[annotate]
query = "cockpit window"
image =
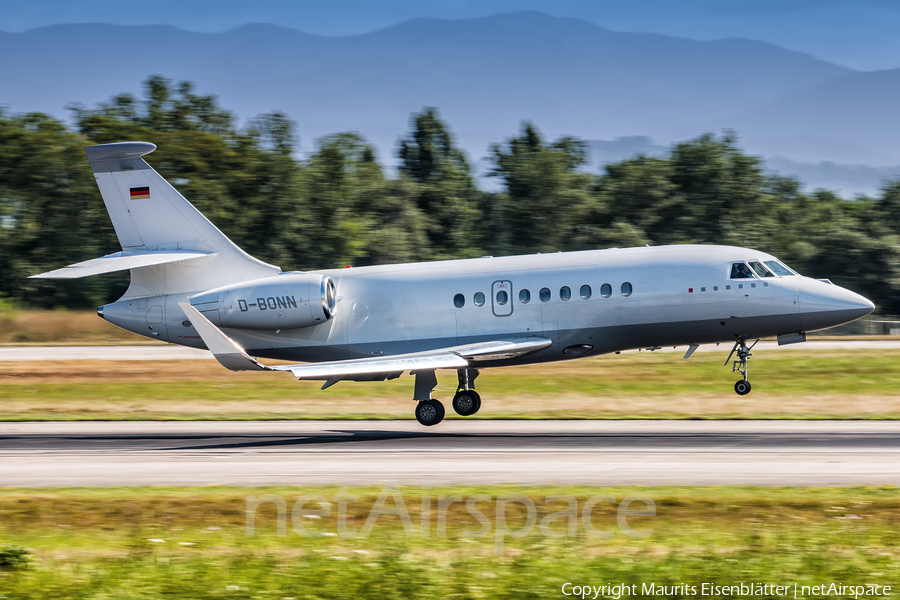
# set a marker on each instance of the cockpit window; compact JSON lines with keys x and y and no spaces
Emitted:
{"x":740,"y":270}
{"x":761,"y":270}
{"x":779,"y":268}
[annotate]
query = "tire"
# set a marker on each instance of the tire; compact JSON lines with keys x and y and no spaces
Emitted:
{"x":742,"y":388}
{"x":466,"y":403}
{"x":477,"y":404}
{"x":429,"y":412}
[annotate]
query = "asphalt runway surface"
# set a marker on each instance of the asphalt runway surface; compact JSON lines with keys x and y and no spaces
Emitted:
{"x":175,"y":352}
{"x":767,"y":453}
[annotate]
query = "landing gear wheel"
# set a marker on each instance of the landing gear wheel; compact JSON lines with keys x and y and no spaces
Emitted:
{"x":740,"y":365}
{"x":429,"y":412}
{"x":466,"y":402}
{"x":742,"y":387}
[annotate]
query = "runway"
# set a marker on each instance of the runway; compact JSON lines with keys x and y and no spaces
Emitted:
{"x":768,"y":453}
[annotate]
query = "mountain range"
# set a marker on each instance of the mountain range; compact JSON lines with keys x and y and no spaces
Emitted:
{"x":486,"y":76}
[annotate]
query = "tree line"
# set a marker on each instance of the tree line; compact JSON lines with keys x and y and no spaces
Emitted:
{"x":339,"y":206}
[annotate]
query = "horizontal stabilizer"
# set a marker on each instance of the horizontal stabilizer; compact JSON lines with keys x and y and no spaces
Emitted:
{"x":122,"y":261}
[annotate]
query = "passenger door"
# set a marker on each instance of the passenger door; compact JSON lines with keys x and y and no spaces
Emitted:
{"x":501,"y":298}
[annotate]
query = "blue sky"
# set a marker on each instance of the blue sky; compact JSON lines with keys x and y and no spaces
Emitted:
{"x":861,"y":34}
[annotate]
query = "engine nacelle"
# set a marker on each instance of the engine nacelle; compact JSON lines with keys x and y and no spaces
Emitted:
{"x":285,"y":301}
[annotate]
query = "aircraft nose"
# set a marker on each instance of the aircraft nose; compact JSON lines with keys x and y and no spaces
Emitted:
{"x":824,"y":305}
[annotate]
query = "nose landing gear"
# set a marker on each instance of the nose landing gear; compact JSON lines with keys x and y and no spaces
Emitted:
{"x":743,"y":354}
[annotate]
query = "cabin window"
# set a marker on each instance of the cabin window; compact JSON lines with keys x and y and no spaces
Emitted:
{"x":586,"y":292}
{"x":626,"y":289}
{"x":524,"y":296}
{"x":502,"y":297}
{"x":740,"y":270}
{"x":479,"y":299}
{"x":459,"y":301}
{"x":545,"y":294}
{"x":761,"y":270}
{"x":565,"y":293}
{"x":606,"y":290}
{"x":779,"y":268}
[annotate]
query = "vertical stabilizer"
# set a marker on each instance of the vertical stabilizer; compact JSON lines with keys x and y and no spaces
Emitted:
{"x":149,"y":214}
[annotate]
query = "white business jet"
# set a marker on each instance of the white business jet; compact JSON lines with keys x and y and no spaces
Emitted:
{"x":191,"y":285}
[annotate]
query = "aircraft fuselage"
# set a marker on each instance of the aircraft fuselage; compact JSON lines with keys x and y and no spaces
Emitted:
{"x":586,"y":303}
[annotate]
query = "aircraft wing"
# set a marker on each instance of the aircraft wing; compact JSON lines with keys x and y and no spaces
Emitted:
{"x":232,"y":356}
{"x":454,"y":357}
{"x":121,"y":261}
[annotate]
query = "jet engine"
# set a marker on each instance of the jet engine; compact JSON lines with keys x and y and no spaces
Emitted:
{"x":285,"y":301}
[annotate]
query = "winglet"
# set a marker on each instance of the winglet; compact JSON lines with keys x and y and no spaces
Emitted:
{"x":225,"y":349}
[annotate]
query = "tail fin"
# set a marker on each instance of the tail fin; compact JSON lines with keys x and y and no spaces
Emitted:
{"x":150,"y":215}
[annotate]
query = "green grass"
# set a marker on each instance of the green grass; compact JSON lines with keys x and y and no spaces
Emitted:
{"x":787,"y":384}
{"x":95,"y":543}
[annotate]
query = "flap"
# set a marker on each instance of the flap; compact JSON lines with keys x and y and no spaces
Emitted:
{"x":454,"y":357}
{"x":375,"y":366}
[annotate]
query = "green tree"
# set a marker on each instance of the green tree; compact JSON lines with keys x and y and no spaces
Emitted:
{"x":546,"y":193}
{"x":719,"y":195}
{"x":446,"y":191}
{"x":50,"y":214}
{"x":632,"y":197}
{"x":353,"y":214}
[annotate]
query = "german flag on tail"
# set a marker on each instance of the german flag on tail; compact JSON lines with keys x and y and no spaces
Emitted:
{"x":140,"y":193}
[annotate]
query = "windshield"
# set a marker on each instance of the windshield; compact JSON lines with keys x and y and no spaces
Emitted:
{"x":761,"y":270}
{"x":779,"y":268}
{"x":740,"y":270}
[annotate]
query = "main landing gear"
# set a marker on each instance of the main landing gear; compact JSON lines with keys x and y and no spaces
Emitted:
{"x":466,"y":402}
{"x":743,"y":353}
{"x":429,"y":411}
